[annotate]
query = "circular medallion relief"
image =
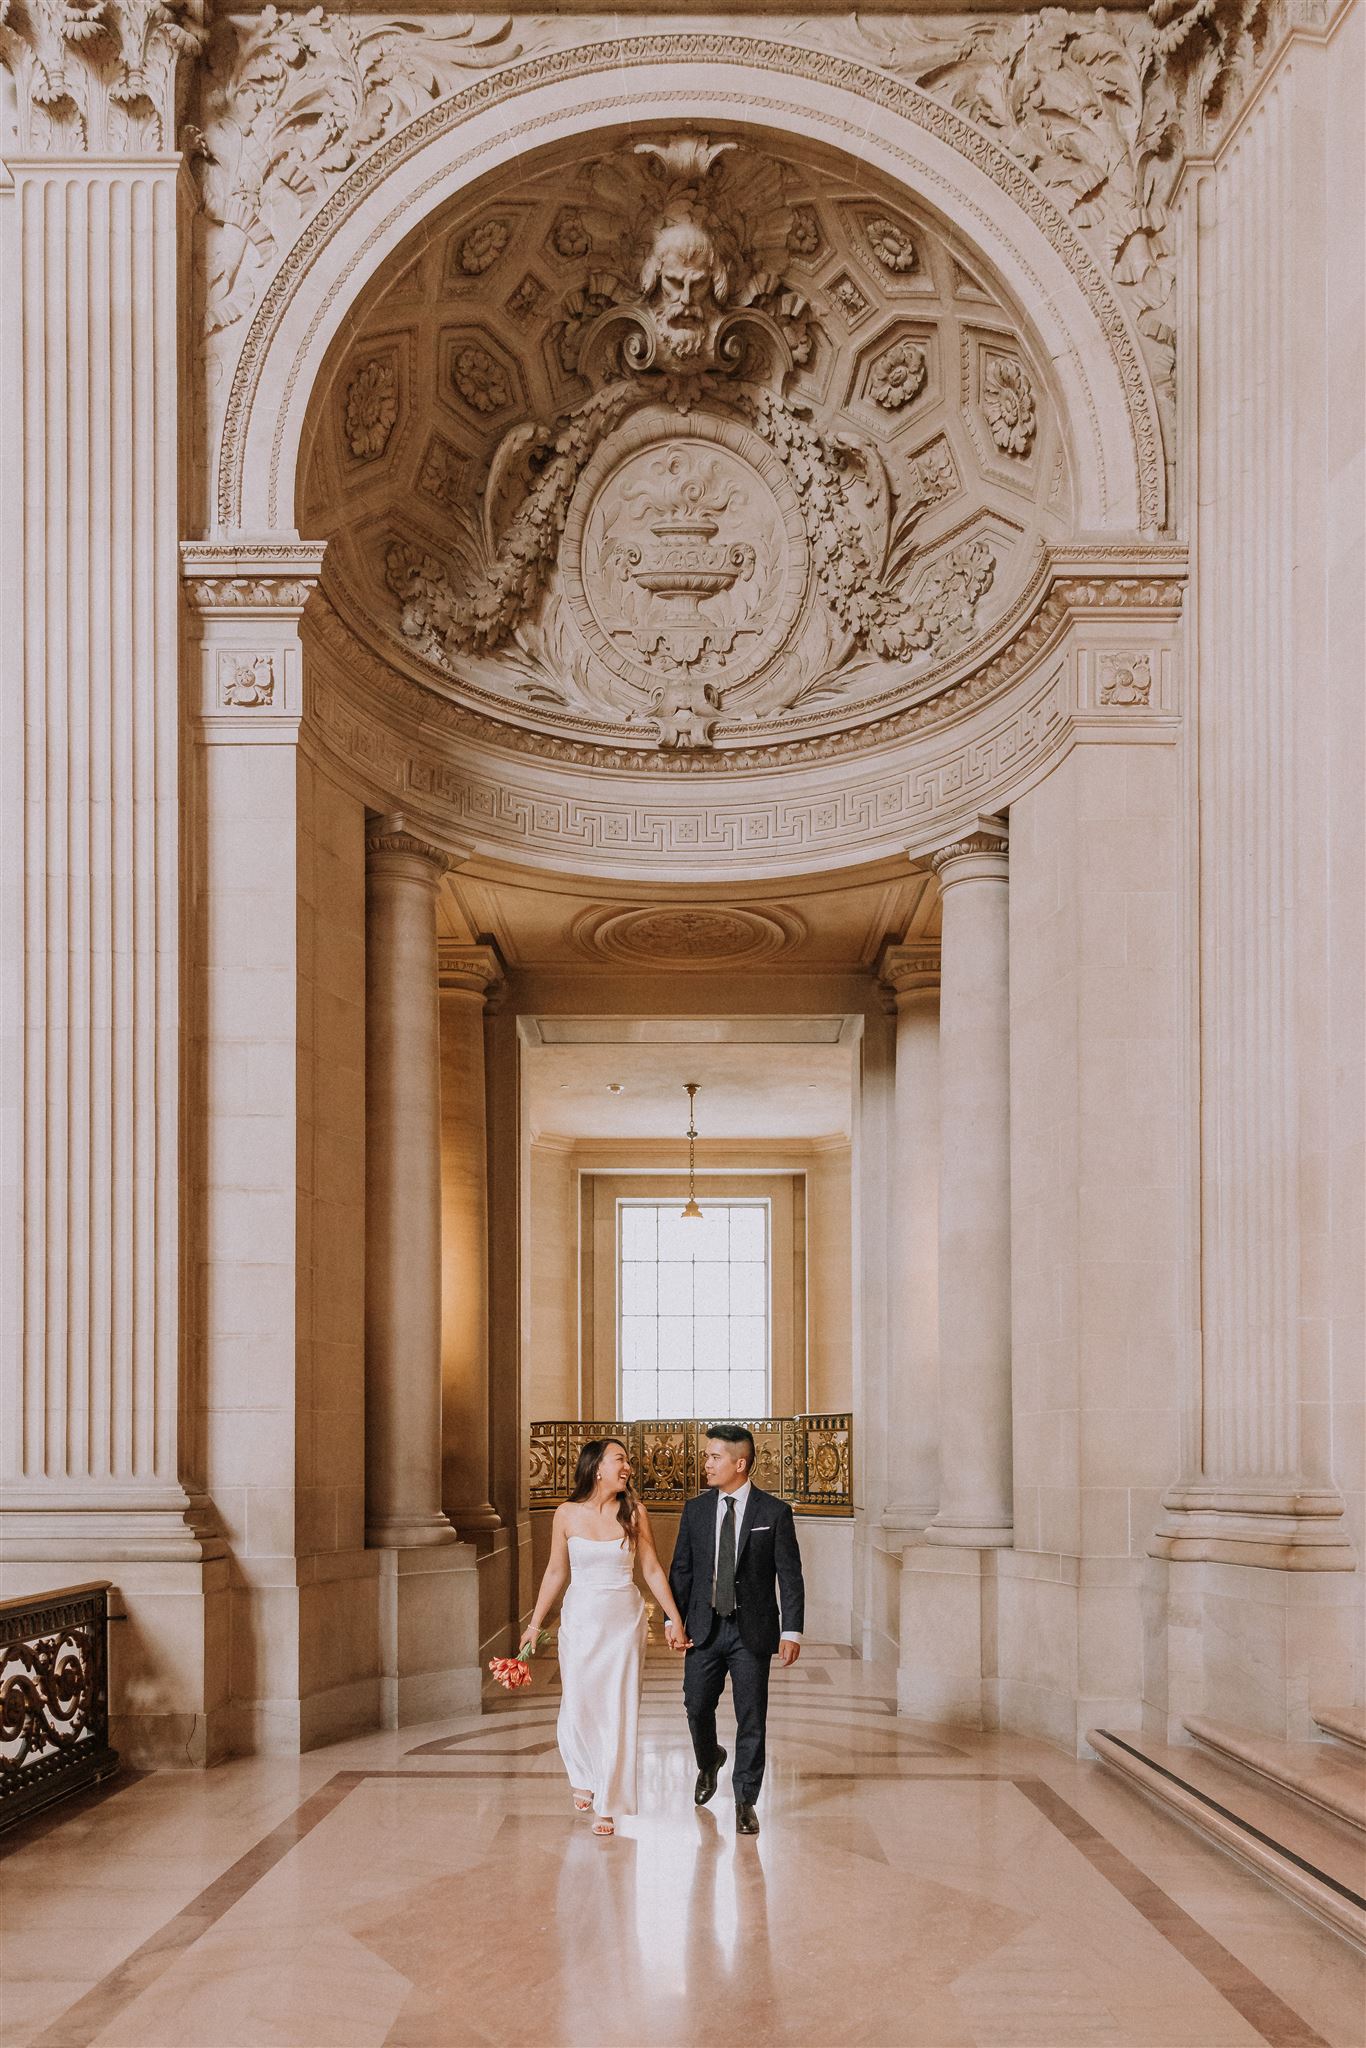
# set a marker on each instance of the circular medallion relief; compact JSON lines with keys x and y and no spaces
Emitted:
{"x":686,"y":935}
{"x":685,"y":557}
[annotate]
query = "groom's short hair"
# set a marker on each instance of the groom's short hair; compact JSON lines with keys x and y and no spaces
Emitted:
{"x":733,"y":1433}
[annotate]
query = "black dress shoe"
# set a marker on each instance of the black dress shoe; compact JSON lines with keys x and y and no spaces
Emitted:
{"x":706,"y":1780}
{"x":746,"y":1819}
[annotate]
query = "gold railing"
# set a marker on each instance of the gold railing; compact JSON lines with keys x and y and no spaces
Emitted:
{"x":54,"y":1697}
{"x":807,"y":1460}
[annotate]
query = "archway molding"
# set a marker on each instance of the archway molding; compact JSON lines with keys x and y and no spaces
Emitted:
{"x":983,"y":193}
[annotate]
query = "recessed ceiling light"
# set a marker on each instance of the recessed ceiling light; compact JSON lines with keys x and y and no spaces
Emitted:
{"x":614,"y":1087}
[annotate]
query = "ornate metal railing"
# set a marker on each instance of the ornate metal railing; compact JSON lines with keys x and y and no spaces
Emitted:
{"x":54,"y":1697}
{"x":804,"y":1459}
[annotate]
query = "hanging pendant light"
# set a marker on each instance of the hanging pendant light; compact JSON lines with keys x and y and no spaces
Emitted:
{"x":692,"y":1209}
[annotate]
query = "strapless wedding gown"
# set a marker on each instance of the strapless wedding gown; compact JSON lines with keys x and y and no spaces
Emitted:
{"x":602,"y":1658}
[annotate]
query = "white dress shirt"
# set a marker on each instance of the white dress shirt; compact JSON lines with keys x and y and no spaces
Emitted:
{"x":741,"y":1498}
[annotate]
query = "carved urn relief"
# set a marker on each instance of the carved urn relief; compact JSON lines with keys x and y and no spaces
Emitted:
{"x":671,"y":488}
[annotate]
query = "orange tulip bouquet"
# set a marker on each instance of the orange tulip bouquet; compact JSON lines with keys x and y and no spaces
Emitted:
{"x":514,"y":1672}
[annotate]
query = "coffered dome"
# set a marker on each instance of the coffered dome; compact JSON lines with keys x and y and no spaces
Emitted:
{"x":685,"y":445}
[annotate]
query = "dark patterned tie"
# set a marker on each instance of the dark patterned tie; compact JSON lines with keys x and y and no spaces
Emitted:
{"x":723,"y":1599}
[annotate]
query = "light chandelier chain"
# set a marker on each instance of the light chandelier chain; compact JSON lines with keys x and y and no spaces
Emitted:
{"x":692,"y":1211}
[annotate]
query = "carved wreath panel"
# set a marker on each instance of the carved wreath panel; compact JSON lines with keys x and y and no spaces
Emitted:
{"x":745,"y":449}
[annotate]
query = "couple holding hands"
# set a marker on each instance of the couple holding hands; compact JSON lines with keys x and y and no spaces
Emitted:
{"x":735,"y":1564}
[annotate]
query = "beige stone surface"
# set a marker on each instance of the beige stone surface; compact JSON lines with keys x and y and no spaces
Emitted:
{"x":661,"y":556}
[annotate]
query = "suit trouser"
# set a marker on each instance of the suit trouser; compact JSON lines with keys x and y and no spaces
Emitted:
{"x":704,"y":1680}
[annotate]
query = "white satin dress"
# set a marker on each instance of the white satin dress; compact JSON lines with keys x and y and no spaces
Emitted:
{"x":602,"y":1661}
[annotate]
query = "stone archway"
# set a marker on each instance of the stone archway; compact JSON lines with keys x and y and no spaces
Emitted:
{"x":735,"y":535}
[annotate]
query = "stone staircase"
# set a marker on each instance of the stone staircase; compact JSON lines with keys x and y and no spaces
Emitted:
{"x":1294,"y":1813}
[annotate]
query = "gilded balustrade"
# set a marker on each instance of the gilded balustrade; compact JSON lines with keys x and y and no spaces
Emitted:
{"x":806,"y":1460}
{"x":54,"y":1697}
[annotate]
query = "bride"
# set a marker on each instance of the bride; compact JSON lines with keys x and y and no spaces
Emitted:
{"x":598,"y":1536}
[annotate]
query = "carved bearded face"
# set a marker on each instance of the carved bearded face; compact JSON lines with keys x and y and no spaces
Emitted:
{"x":682,"y":271}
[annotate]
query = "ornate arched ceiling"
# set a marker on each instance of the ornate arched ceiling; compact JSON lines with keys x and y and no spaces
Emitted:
{"x":685,"y":443}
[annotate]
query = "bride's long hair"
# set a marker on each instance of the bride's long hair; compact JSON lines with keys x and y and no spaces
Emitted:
{"x":586,"y":1478}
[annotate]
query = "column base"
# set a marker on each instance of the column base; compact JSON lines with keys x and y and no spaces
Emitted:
{"x":970,"y":1535}
{"x":95,"y":1527}
{"x":168,"y":1650}
{"x":1280,"y":1526}
{"x":409,"y":1532}
{"x":906,"y":1519}
{"x":477,"y":1521}
{"x":429,"y":1633}
{"x":1261,"y":1649}
{"x":947,"y":1669}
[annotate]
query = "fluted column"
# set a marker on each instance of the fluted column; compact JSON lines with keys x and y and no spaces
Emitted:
{"x":1258,"y":1488}
{"x":403,"y":1192}
{"x":974,"y":1193}
{"x":97,"y":1430}
{"x":912,"y":975}
{"x":467,"y":975}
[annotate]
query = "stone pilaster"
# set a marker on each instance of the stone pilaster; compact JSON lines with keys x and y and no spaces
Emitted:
{"x":974,"y":1193}
{"x":277,"y":914}
{"x":102,"y":1474}
{"x":911,"y":973}
{"x":467,"y":974}
{"x":1253,"y":1491}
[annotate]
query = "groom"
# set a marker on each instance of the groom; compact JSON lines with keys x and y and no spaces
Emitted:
{"x":736,"y":1556}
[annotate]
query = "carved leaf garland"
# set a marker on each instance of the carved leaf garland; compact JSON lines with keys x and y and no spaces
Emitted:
{"x":292,"y":102}
{"x":1084,"y":102}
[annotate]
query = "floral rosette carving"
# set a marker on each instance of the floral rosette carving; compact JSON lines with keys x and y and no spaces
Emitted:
{"x":897,"y":377}
{"x":1008,"y":402}
{"x":371,"y":409}
{"x":891,"y":244}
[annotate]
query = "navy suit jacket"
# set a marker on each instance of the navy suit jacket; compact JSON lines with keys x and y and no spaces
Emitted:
{"x":768,"y":1568}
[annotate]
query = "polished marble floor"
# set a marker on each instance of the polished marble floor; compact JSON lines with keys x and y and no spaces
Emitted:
{"x":913,"y":1887}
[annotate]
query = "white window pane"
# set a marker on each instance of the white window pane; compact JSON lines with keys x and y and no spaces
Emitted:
{"x":748,"y":1290}
{"x":675,"y":1393}
{"x":675,"y":1343}
{"x":748,"y":1344}
{"x":711,"y":1394}
{"x":749,"y":1232}
{"x":749,"y":1401}
{"x":639,"y":1396}
{"x":639,"y":1288}
{"x":711,"y":1288}
{"x":711,"y":1343}
{"x":694,"y":1305}
{"x":675,"y":1289}
{"x":711,"y":1237}
{"x":639,"y":1338}
{"x":678,"y":1237}
{"x":638,"y":1238}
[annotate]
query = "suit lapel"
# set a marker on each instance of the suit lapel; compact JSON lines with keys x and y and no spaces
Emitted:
{"x":751,"y":1516}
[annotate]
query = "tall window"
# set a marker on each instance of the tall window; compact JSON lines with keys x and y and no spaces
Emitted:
{"x":692,"y":1310}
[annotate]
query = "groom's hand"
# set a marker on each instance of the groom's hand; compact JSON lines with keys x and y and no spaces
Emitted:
{"x":676,"y":1636}
{"x":789,"y":1652}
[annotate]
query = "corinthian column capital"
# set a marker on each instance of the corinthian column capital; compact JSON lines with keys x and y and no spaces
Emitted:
{"x":98,"y":77}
